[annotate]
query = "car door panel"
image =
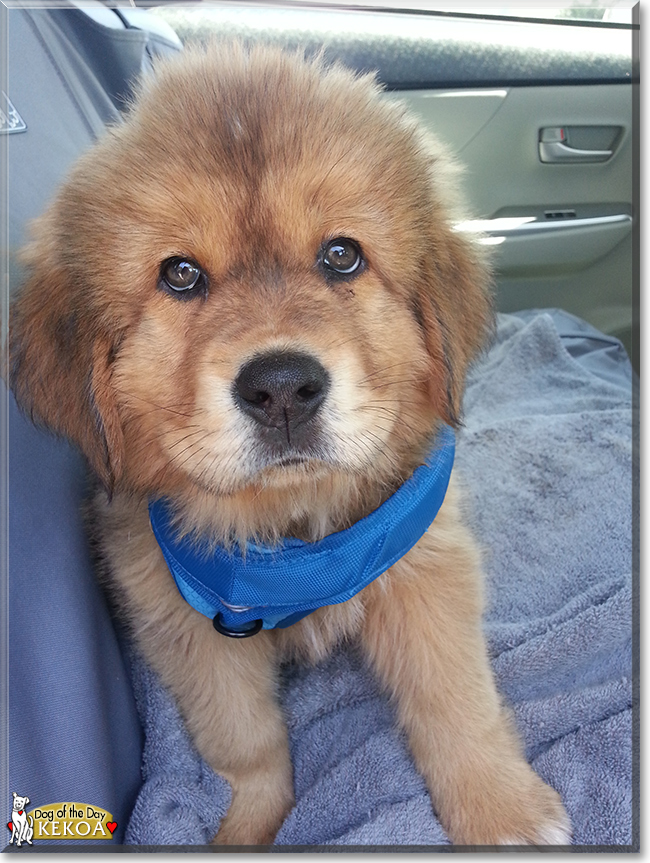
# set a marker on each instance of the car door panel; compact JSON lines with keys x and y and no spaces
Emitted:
{"x":578,"y":254}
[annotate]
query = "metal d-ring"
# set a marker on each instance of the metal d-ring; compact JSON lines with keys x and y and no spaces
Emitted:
{"x":252,"y":628}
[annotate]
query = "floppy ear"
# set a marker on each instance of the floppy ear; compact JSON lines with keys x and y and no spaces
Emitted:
{"x":60,"y":364}
{"x":453,"y":306}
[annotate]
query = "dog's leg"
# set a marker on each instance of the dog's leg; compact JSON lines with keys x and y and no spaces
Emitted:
{"x":422,"y":634}
{"x":226,"y":691}
{"x":250,"y":747}
{"x":226,"y":688}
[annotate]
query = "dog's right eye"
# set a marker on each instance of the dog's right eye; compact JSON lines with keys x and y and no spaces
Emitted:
{"x":182,"y":277}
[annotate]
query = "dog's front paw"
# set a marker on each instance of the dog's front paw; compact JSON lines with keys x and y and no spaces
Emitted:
{"x":514,"y":808}
{"x":540,"y":819}
{"x":239,"y":833}
{"x":260,"y":803}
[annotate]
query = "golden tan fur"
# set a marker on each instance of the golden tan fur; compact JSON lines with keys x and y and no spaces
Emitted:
{"x":247,"y":163}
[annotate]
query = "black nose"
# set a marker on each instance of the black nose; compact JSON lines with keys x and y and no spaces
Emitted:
{"x":282,"y":389}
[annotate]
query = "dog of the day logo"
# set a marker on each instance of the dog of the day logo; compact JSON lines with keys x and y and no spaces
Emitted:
{"x":64,"y":821}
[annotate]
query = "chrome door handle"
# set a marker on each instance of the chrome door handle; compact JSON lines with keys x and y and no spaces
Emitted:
{"x":553,"y":148}
{"x":556,"y":151}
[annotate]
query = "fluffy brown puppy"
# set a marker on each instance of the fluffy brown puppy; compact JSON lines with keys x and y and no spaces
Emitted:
{"x":257,"y":205}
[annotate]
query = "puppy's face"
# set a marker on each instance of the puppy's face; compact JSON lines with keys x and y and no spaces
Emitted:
{"x":271,"y":340}
{"x":253,"y":281}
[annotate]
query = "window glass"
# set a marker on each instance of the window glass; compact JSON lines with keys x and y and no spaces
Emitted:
{"x":612,"y":12}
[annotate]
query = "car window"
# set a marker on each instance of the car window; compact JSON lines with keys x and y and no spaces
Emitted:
{"x":587,"y":10}
{"x":410,"y":49}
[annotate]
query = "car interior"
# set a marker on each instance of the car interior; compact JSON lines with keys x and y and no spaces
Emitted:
{"x":542,"y":115}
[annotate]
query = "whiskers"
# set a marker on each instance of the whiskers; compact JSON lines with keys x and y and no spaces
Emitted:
{"x":176,"y":408}
{"x":361,"y":444}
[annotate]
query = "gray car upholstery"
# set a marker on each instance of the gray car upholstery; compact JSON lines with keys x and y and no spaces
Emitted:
{"x":74,"y":733}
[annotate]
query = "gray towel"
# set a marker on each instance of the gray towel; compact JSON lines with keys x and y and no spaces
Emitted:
{"x":182,"y":800}
{"x":545,"y":459}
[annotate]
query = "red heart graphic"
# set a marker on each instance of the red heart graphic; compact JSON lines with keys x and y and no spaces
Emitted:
{"x":111,"y":825}
{"x":10,"y":825}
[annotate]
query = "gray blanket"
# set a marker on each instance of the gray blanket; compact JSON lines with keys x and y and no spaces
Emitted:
{"x":545,"y":456}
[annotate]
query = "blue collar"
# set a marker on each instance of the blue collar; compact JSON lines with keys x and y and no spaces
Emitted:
{"x":277,"y":585}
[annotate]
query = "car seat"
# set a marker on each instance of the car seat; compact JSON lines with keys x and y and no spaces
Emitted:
{"x":74,"y":733}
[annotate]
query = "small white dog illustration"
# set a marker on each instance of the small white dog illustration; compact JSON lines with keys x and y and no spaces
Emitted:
{"x":22,"y":824}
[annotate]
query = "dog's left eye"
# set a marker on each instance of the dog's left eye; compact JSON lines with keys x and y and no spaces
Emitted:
{"x":342,"y":258}
{"x":182,"y":277}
